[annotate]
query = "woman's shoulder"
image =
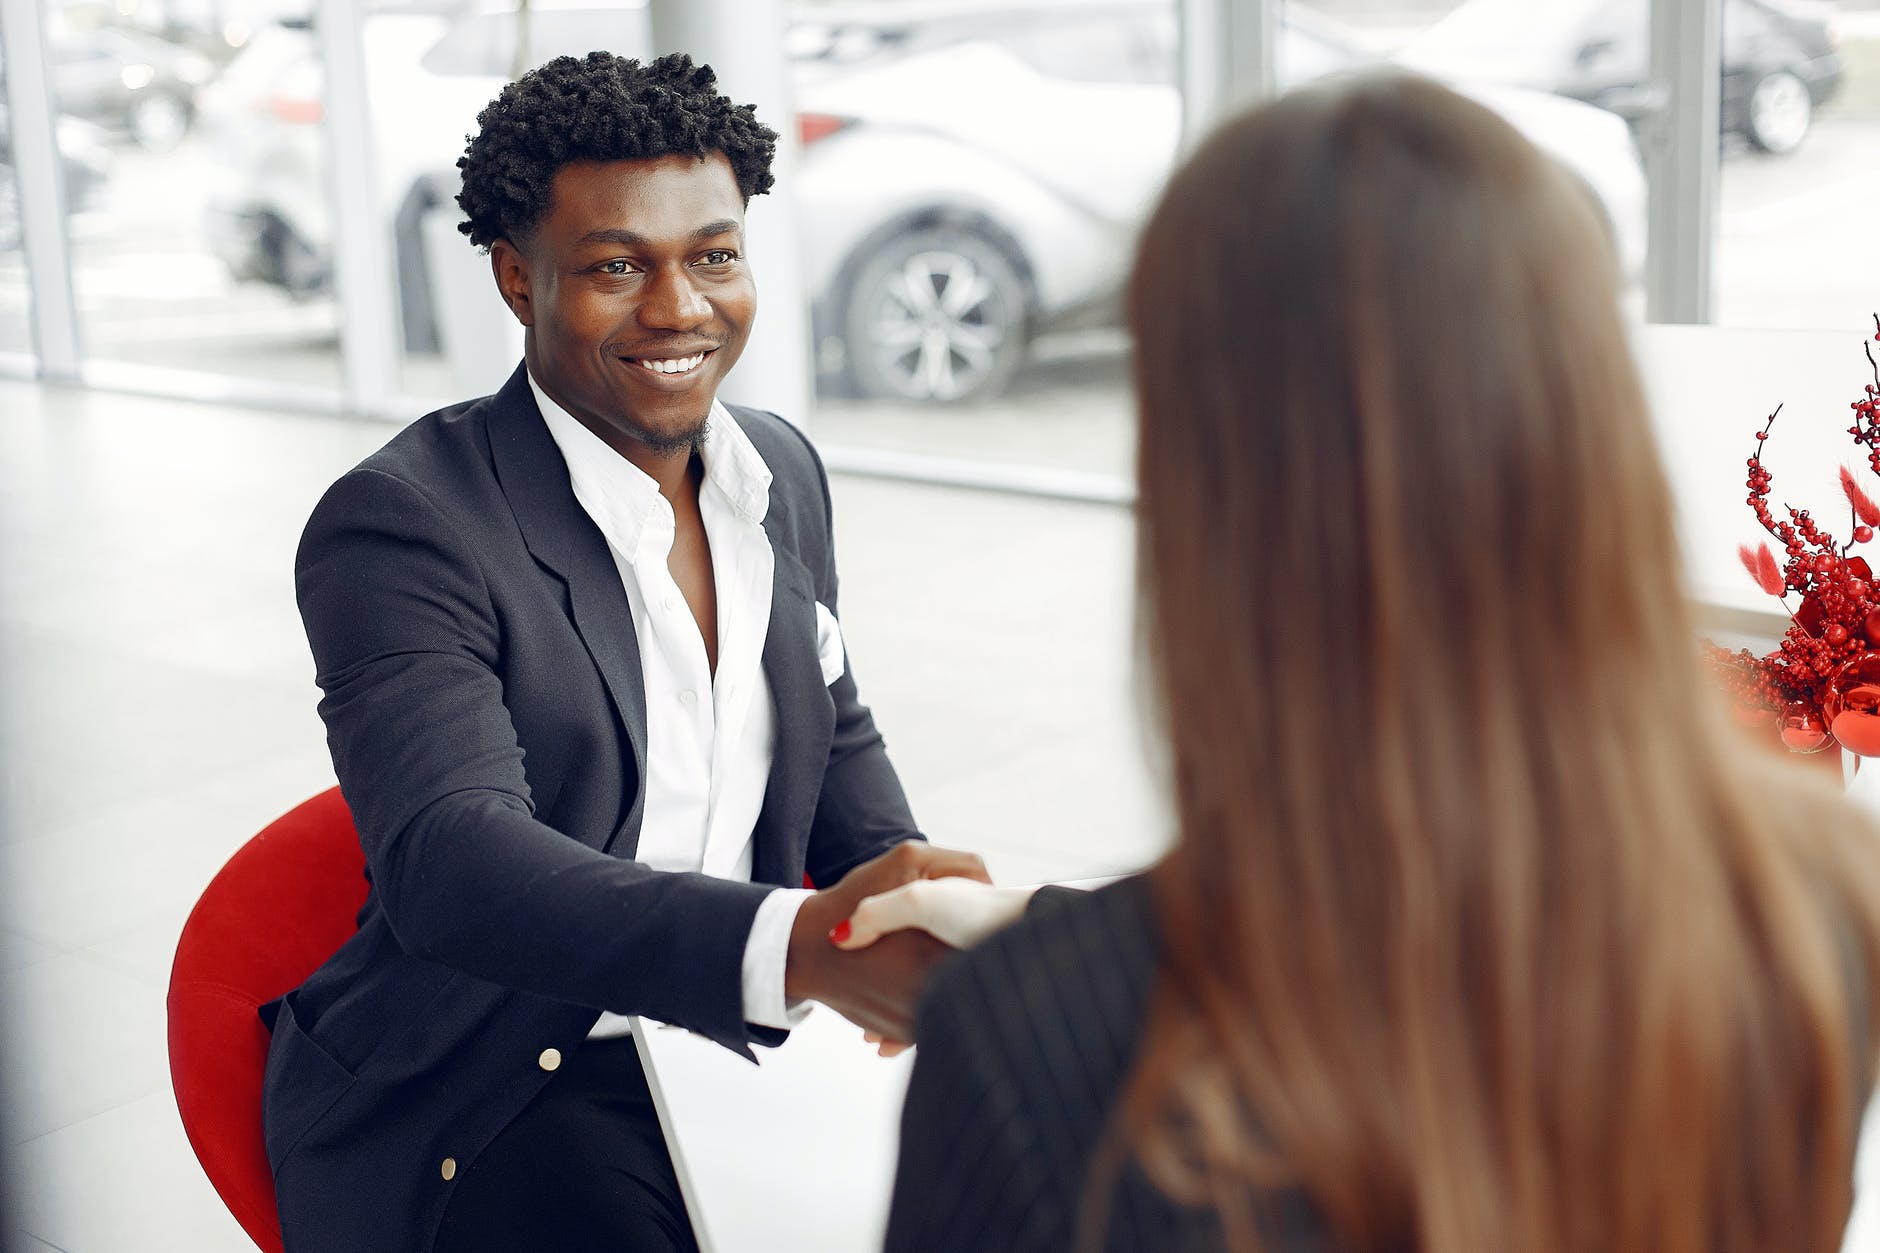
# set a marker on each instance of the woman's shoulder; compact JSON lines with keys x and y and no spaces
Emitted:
{"x":1068,"y":982}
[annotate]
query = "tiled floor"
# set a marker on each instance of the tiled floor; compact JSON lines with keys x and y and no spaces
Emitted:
{"x":157,"y":707}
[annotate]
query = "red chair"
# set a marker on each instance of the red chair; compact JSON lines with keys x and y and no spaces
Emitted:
{"x":281,"y":906}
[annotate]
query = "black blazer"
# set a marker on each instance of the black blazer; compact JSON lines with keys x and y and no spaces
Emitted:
{"x":1026,"y":1043}
{"x":486,"y":714}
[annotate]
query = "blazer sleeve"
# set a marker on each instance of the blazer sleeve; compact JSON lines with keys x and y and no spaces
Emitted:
{"x":863,"y":809}
{"x":971,"y":1171}
{"x":407,"y":647}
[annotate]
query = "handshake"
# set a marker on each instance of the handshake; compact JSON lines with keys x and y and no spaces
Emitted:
{"x":865,"y":946}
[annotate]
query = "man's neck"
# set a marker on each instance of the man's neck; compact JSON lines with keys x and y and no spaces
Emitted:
{"x":677,"y":472}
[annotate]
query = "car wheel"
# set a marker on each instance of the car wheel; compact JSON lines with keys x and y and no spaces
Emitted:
{"x":1780,"y":110}
{"x":158,"y":122}
{"x":935,"y":315}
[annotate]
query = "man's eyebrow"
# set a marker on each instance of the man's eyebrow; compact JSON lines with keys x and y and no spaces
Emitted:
{"x":633,"y":239}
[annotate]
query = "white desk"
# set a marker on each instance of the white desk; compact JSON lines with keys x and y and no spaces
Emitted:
{"x":796,"y":1152}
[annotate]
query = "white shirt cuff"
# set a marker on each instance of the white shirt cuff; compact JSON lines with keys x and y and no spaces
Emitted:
{"x":765,"y":954}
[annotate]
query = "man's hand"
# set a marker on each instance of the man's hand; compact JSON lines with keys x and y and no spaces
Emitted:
{"x":875,"y":988}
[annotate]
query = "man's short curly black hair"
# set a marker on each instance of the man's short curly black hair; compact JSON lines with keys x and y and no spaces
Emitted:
{"x":599,"y":108}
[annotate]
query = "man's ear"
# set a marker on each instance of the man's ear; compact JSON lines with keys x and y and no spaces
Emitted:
{"x":511,"y":269}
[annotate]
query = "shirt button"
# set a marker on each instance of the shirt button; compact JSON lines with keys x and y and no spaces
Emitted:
{"x":671,"y":601}
{"x":550,"y":1059}
{"x":448,"y":1169}
{"x":688,"y":697}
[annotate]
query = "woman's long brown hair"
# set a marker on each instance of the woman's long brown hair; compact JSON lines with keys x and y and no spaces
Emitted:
{"x":1483,"y":932}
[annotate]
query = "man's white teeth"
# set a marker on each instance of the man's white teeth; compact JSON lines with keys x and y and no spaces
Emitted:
{"x":676,"y":365}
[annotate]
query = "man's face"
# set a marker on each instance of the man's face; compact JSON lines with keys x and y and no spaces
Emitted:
{"x":637,"y":296}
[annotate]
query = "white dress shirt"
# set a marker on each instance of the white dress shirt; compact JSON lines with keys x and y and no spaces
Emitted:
{"x":709,"y":737}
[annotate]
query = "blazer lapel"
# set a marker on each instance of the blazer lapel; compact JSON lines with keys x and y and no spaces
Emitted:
{"x":805,"y":715}
{"x":562,"y":538}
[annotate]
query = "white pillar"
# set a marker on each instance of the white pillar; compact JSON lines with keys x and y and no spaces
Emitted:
{"x":1680,"y":143}
{"x":742,"y":40}
{"x":41,"y":189}
{"x":1228,"y":54}
{"x":369,"y":334}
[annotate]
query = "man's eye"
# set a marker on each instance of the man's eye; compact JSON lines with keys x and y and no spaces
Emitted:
{"x":614,"y":267}
{"x":720,"y":256}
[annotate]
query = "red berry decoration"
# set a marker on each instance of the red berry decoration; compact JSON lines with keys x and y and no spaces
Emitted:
{"x":1822,"y":684}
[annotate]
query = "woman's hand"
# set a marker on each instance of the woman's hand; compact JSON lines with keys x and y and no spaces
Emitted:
{"x":959,"y":912}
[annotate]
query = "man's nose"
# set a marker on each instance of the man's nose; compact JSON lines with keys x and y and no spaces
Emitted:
{"x":673,"y":302}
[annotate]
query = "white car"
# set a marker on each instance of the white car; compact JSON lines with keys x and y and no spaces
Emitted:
{"x":972,"y":176}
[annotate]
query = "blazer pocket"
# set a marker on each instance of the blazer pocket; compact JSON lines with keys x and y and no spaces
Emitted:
{"x":829,"y":650}
{"x":310,"y":1080}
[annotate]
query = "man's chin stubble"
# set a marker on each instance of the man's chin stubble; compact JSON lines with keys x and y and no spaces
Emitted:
{"x":683,"y":441}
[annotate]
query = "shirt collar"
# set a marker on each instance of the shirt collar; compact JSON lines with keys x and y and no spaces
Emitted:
{"x":604,"y":479}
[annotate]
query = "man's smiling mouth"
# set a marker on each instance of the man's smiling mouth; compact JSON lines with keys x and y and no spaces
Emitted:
{"x":671,"y":365}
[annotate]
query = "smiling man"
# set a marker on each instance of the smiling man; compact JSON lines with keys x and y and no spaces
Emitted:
{"x":587,"y":698}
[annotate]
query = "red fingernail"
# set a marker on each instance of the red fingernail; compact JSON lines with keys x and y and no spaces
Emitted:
{"x":839,"y":932}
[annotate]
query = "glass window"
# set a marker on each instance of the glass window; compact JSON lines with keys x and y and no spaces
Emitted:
{"x":1568,"y":74}
{"x":478,"y":43}
{"x":1311,"y":46}
{"x":818,"y":39}
{"x":1104,"y":48}
{"x":970,"y":193}
{"x":1552,"y":46}
{"x":16,"y":333}
{"x":1796,"y":244}
{"x":1800,"y":105}
{"x":193,"y":130}
{"x":485,"y":44}
{"x":969,"y":190}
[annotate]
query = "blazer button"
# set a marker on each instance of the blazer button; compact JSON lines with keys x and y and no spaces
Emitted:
{"x":550,"y":1059}
{"x":448,"y":1169}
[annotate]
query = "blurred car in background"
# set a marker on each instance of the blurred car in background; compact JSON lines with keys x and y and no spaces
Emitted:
{"x":128,"y":81}
{"x":1780,"y":57}
{"x":268,"y":216}
{"x":972,"y":175}
{"x":84,"y":160}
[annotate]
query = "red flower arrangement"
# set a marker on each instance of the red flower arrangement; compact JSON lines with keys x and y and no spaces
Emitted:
{"x":1822,"y":686}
